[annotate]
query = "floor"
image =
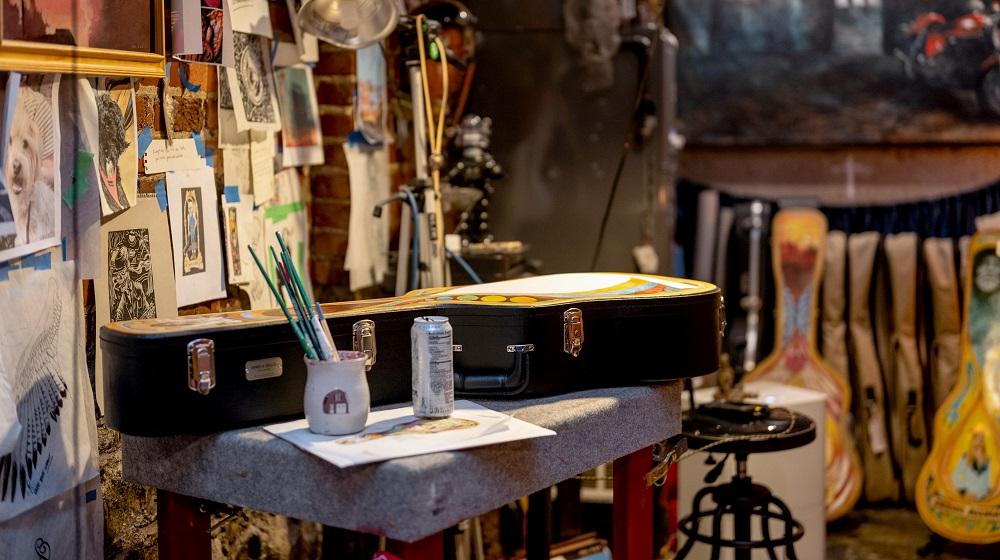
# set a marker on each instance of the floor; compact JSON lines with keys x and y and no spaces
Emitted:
{"x":892,"y":534}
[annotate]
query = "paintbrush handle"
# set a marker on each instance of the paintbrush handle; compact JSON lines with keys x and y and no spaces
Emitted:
{"x":281,"y":302}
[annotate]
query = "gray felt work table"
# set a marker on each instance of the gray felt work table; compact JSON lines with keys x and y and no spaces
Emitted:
{"x":410,"y":501}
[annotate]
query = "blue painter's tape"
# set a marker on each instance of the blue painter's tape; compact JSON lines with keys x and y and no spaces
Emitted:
{"x":64,"y":249}
{"x":145,"y":139}
{"x":232,"y":193}
{"x":210,"y":160}
{"x":161,"y":194}
{"x":40,"y":261}
{"x":193,"y":88}
{"x":91,"y":495}
{"x":5,"y":269}
{"x":209,"y":151}
{"x":199,"y":142}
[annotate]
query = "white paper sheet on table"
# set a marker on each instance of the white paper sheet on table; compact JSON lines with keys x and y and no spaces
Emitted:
{"x":391,"y":434}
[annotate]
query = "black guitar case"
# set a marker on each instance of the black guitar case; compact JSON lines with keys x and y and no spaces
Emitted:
{"x":526,"y":337}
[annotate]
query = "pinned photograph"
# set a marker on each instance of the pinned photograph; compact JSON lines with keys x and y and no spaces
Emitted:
{"x":251,"y":85}
{"x":301,"y":136}
{"x":216,"y":36}
{"x":31,"y":164}
{"x":117,"y":164}
{"x":194,"y":231}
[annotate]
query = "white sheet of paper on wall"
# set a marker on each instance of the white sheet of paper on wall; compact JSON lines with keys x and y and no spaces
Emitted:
{"x":236,"y":169}
{"x":185,"y":26}
{"x":251,"y":85}
{"x":262,"y":165}
{"x":81,"y":207}
{"x":192,"y":204}
{"x":179,"y":155}
{"x":251,"y":16}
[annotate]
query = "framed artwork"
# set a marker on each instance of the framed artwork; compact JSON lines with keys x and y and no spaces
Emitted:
{"x":94,"y":37}
{"x":837,"y":72}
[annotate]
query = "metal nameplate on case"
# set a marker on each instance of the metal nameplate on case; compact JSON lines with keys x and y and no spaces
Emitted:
{"x":573,"y":331}
{"x":263,"y":369}
{"x":201,"y":365}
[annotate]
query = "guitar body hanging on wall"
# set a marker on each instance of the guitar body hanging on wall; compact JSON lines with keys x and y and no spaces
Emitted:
{"x":797,"y":247}
{"x":958,"y":489}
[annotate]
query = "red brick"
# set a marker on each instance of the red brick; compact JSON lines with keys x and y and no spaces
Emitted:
{"x":147,"y":183}
{"x":331,"y":184}
{"x":147,"y":112}
{"x":329,"y":243}
{"x":331,"y":213}
{"x":327,"y":271}
{"x":338,"y":92}
{"x":334,"y":61}
{"x":189,"y":113}
{"x":336,"y":126}
{"x":334,"y":155}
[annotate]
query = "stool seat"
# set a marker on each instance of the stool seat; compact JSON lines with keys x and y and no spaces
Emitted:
{"x":765,"y":429}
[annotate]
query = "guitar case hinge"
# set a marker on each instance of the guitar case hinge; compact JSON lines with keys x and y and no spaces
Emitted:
{"x":573,"y":331}
{"x":364,"y":341}
{"x":201,"y":365}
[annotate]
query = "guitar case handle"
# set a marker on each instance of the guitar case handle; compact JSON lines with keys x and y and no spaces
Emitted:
{"x":498,"y":384}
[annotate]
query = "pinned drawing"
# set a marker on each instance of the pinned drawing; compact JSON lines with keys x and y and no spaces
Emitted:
{"x":41,"y":357}
{"x":130,"y":273}
{"x":233,"y":234}
{"x":194,"y":232}
{"x":301,"y":136}
{"x":117,"y":163}
{"x":251,"y":84}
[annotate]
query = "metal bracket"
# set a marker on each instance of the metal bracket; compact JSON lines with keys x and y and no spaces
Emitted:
{"x":573,"y":331}
{"x":520,"y":348}
{"x":364,"y":341}
{"x":201,"y":365}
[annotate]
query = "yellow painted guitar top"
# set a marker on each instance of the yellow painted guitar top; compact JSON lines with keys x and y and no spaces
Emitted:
{"x":958,"y":490}
{"x":797,"y":247}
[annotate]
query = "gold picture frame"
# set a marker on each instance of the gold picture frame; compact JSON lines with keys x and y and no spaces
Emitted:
{"x":30,"y":56}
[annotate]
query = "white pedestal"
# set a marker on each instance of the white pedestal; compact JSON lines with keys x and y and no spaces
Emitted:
{"x":795,"y":476}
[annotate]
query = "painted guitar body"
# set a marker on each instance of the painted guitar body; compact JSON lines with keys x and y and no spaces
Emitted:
{"x":958,"y":490}
{"x":797,"y":246}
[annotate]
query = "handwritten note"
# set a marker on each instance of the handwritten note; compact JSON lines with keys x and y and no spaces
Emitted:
{"x":179,"y":155}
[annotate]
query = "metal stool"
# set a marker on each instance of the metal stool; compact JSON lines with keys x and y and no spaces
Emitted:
{"x":741,"y":429}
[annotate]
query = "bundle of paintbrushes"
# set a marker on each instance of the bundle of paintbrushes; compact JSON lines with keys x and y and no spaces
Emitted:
{"x":308,"y":323}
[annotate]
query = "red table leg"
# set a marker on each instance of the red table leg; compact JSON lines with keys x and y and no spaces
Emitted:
{"x":633,"y":507}
{"x":183,"y":529}
{"x":429,"y":548}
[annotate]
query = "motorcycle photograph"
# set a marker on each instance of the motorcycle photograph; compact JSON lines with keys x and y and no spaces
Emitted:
{"x":959,"y":53}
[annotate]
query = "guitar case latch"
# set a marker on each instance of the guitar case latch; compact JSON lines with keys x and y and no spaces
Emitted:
{"x":573,"y":331}
{"x":201,"y":365}
{"x":364,"y":341}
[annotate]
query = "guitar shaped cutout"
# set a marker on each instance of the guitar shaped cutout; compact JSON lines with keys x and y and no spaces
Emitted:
{"x":958,"y":489}
{"x":797,"y":245}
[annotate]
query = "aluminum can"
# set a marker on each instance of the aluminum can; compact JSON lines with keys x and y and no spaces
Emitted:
{"x":433,"y":367}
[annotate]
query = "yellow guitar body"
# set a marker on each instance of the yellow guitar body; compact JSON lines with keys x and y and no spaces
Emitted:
{"x":958,"y":490}
{"x":797,"y":247}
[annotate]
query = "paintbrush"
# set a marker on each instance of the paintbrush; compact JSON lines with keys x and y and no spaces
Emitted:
{"x":301,"y":314}
{"x":318,"y":322}
{"x":281,"y":301}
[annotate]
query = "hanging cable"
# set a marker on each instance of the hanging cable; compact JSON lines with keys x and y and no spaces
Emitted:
{"x":465,"y":266}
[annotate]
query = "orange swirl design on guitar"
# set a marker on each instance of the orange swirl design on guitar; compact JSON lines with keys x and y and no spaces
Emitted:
{"x":797,"y":246}
{"x":958,"y":490}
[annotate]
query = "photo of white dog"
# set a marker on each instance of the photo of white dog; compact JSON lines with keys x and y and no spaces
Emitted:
{"x":29,"y":169}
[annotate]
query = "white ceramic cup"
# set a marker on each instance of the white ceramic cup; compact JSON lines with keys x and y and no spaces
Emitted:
{"x":337,"y":399}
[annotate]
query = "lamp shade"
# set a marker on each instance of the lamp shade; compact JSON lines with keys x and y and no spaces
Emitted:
{"x":350,"y":24}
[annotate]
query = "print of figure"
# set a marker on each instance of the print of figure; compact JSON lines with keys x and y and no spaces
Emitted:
{"x":416,"y":426}
{"x":194,"y":236}
{"x":972,"y":474}
{"x":234,"y":240}
{"x":130,"y":275}
{"x":112,"y":127}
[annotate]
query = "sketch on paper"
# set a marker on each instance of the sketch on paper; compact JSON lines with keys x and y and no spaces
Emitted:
{"x":41,"y":359}
{"x":32,"y":161}
{"x":301,"y":135}
{"x":130,"y":275}
{"x":116,"y":162}
{"x":256,"y":103}
{"x":194,"y":232}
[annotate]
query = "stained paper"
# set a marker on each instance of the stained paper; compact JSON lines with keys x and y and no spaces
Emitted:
{"x":195,"y":235}
{"x":301,"y":136}
{"x":262,"y":166}
{"x":31,"y":178}
{"x":43,"y":362}
{"x":117,"y":163}
{"x":137,"y":280}
{"x":251,"y":85}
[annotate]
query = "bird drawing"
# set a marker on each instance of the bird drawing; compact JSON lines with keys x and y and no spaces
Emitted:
{"x":39,"y":392}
